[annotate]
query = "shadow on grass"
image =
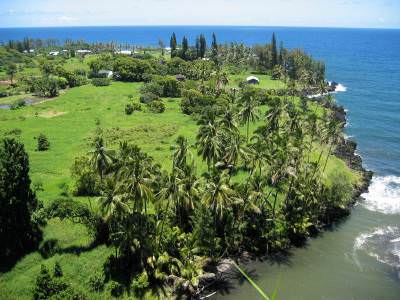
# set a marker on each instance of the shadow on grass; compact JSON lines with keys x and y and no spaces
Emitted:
{"x":50,"y":248}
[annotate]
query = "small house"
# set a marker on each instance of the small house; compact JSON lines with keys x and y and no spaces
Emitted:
{"x":252,"y":80}
{"x":124,"y":52}
{"x":180,"y":77}
{"x":82,"y":52}
{"x":54,"y":53}
{"x":105,"y":73}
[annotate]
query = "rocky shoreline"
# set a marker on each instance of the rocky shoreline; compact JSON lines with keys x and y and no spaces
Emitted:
{"x":225,"y":270}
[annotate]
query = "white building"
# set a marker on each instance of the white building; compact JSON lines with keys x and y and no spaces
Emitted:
{"x":124,"y":52}
{"x":106,"y":73}
{"x":54,"y":53}
{"x":252,"y":80}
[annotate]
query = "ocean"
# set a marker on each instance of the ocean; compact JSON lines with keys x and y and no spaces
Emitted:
{"x":359,"y":258}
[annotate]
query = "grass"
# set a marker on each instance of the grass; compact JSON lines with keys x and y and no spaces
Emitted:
{"x":70,"y":121}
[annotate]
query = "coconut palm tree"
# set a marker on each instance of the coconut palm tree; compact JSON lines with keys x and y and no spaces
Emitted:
{"x":209,"y":143}
{"x":219,"y":196}
{"x":101,"y":158}
{"x":249,"y":113}
{"x":113,"y":203}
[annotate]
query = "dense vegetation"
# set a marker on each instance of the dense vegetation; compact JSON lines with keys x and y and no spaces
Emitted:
{"x":246,"y":167}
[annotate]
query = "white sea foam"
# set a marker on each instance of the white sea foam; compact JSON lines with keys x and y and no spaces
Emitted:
{"x":381,"y":243}
{"x":383,"y":195}
{"x":340,"y":88}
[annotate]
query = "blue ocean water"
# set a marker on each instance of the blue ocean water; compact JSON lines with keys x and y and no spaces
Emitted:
{"x":363,"y":256}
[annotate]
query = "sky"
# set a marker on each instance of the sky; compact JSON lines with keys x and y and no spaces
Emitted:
{"x":313,"y":13}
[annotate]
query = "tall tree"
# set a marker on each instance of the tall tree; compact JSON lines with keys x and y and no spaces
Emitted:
{"x":249,"y":113}
{"x":172,"y":45}
{"x":185,"y":47}
{"x":18,"y":233}
{"x":274,"y":51}
{"x":11,"y":70}
{"x":203,"y":46}
{"x":101,"y":157}
{"x":198,"y":47}
{"x":214,"y":49}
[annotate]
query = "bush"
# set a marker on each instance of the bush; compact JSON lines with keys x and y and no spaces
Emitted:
{"x":194,"y":102}
{"x":96,"y":282}
{"x":46,"y":286}
{"x":115,"y":288}
{"x":149,"y":97}
{"x":133,"y":70}
{"x":152,"y":88}
{"x":43,"y":143}
{"x":130,"y":108}
{"x":156,"y":106}
{"x":101,"y":81}
{"x":86,"y":180}
{"x":140,"y":282}
{"x":46,"y":86}
{"x":57,"y":270}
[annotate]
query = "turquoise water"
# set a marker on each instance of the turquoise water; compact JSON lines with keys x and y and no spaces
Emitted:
{"x":360,"y":258}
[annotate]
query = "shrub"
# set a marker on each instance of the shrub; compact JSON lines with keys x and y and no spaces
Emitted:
{"x":46,"y":286}
{"x":149,"y":97}
{"x":46,"y":86}
{"x":96,"y":282}
{"x":156,"y":106}
{"x":57,"y":270}
{"x":152,"y":88}
{"x":129,"y":109}
{"x":140,"y":282}
{"x":43,"y":143}
{"x":115,"y":288}
{"x":133,"y":70}
{"x":86,"y":180}
{"x":101,"y":81}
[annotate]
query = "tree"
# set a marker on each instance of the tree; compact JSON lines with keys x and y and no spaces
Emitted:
{"x":249,"y":112}
{"x":197,"y":47}
{"x":101,"y":157}
{"x":112,"y":202}
{"x":214,"y":49}
{"x":274,"y":51}
{"x":11,"y":70}
{"x":203,"y":45}
{"x":43,"y":143}
{"x":208,"y":143}
{"x":18,"y":232}
{"x":173,"y":44}
{"x":162,"y":46}
{"x":185,"y":47}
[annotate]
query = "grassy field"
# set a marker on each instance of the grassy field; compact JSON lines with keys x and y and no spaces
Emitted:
{"x":70,"y":121}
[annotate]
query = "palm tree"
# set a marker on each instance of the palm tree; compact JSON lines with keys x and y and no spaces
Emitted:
{"x":219,"y":196}
{"x":181,"y":152}
{"x":101,"y":157}
{"x":112,"y":202}
{"x":322,"y":88}
{"x":208,"y":143}
{"x":249,"y":113}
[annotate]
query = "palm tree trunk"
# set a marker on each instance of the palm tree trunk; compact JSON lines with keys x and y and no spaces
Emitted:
{"x":248,"y":127}
{"x":327,"y":157}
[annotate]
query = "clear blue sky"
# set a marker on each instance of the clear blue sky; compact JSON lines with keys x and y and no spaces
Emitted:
{"x":324,"y":13}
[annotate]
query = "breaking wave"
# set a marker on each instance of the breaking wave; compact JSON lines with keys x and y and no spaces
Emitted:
{"x":382,"y":243}
{"x":383,"y":195}
{"x":340,"y":88}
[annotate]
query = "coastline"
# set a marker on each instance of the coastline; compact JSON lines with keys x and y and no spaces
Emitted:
{"x":225,"y":269}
